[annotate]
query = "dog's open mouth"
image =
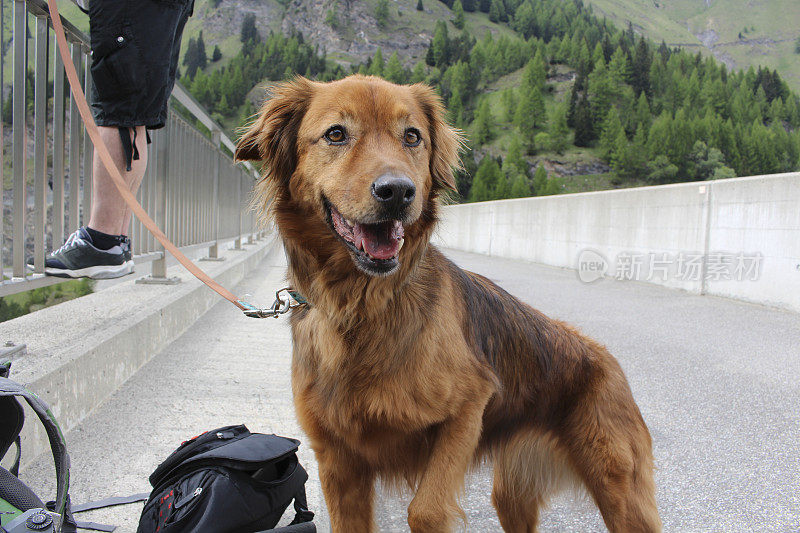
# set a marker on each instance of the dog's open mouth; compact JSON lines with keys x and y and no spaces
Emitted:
{"x":376,"y":246}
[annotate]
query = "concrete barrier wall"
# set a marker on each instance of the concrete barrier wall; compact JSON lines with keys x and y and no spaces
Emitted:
{"x":738,"y":238}
{"x":80,"y":352}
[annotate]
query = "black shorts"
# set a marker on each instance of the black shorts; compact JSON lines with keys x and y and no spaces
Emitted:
{"x":135,"y":47}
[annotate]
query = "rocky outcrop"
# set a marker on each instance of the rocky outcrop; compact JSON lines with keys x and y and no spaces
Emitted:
{"x":349,"y":32}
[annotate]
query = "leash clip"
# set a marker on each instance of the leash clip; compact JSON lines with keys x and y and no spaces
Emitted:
{"x":280,"y":306}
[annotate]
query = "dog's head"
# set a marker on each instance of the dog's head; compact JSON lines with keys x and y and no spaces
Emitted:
{"x":365,"y":157}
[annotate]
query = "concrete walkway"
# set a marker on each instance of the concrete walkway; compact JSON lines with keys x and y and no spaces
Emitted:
{"x":716,"y":381}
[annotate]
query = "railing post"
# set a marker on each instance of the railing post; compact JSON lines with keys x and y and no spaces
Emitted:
{"x":160,"y":149}
{"x":19,"y":134}
{"x":237,"y":244}
{"x":75,"y":128}
{"x":88,"y":150}
{"x":159,"y":266}
{"x":2,"y":150}
{"x":40,"y":144}
{"x":58,"y":150}
{"x":213,"y":250}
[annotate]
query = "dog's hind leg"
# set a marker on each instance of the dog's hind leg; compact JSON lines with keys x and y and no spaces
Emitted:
{"x":610,"y":449}
{"x":528,"y":468}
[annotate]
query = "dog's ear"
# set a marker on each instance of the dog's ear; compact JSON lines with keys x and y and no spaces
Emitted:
{"x":445,"y":141}
{"x":272,"y":137}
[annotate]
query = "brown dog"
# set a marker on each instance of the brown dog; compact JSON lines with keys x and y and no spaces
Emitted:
{"x":406,"y":367}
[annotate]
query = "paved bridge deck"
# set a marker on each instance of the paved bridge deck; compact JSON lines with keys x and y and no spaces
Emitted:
{"x":716,"y":381}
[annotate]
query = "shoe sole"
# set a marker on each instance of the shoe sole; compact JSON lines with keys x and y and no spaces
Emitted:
{"x":93,"y":272}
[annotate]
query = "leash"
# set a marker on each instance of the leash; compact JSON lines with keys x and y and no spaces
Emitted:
{"x":280,"y":306}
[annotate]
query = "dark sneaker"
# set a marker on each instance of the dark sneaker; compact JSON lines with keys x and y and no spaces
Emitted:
{"x":78,"y":258}
{"x":125,"y":244}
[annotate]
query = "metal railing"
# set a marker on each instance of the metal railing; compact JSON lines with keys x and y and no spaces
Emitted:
{"x":191,"y":188}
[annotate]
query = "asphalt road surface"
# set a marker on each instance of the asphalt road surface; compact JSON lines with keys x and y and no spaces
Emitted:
{"x":716,"y":381}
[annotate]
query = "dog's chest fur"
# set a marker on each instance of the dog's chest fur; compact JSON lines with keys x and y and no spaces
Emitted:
{"x":382,"y":387}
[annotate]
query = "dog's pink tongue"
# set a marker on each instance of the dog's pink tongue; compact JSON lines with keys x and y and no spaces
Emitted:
{"x":380,"y":241}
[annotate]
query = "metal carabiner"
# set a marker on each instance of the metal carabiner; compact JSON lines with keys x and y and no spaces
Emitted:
{"x":279,"y":307}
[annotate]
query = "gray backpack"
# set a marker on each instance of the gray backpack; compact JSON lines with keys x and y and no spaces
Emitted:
{"x":21,"y":510}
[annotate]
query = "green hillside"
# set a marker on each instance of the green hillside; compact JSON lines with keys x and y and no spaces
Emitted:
{"x":551,"y":96}
{"x":741,"y":33}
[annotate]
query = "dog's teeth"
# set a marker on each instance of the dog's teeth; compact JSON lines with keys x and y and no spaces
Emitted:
{"x":400,"y":245}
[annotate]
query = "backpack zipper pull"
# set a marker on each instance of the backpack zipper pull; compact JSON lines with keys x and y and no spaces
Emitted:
{"x":197,"y":492}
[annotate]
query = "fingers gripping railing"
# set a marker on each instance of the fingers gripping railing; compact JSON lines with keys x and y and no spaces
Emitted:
{"x":191,"y":188}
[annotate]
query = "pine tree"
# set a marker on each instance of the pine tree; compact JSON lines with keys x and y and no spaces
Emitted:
{"x":540,"y":180}
{"x":584,"y":129}
{"x":455,"y":109}
{"x":376,"y":69}
{"x":382,"y":13}
{"x":394,"y":71}
{"x":497,"y":11}
{"x":458,"y":15}
{"x":661,"y":170}
{"x":535,"y":73}
{"x":524,"y":118}
{"x":418,"y":74}
{"x":574,"y":96}
{"x":520,"y":187}
{"x":509,"y":104}
{"x":216,"y":55}
{"x":223,"y":106}
{"x":249,"y":31}
{"x":440,"y":44}
{"x":642,"y":117}
{"x":484,"y":122}
{"x":629,"y":158}
{"x":190,"y":59}
{"x":502,"y":189}
{"x":514,"y":163}
{"x":485,"y":181}
{"x":610,"y":131}
{"x":202,"y":58}
{"x":559,"y":131}
{"x":539,"y":110}
{"x":640,"y":69}
{"x":420,"y":7}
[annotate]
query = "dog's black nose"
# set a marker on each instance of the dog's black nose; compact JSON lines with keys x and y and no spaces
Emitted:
{"x":393,"y":192}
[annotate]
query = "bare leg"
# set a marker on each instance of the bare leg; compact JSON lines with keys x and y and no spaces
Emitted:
{"x":110,"y":214}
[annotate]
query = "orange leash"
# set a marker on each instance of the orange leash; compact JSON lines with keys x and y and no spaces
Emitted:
{"x":116,"y":176}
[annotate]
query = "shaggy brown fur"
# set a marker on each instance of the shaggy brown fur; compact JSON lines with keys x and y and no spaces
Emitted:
{"x":419,"y":373}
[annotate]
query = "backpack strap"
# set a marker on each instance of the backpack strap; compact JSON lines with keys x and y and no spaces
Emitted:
{"x":15,"y":467}
{"x":111,"y":502}
{"x":302,"y":514}
{"x":54,"y":435}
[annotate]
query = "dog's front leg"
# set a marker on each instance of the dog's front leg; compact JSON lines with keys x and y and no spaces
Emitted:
{"x":434,"y":507}
{"x":347,"y":483}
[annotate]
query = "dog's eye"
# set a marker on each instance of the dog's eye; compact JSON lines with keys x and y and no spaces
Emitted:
{"x":411,"y":137}
{"x":336,"y":135}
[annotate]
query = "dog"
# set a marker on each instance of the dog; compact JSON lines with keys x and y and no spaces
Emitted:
{"x":405,"y":367}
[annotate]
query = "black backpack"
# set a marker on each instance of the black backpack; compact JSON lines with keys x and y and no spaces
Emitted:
{"x":20,"y":508}
{"x":227,"y":480}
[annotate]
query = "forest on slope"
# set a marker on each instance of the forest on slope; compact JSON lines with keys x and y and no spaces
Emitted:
{"x":560,"y":84}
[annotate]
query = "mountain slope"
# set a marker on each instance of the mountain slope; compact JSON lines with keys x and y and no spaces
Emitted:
{"x":347,"y":30}
{"x":741,"y":33}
